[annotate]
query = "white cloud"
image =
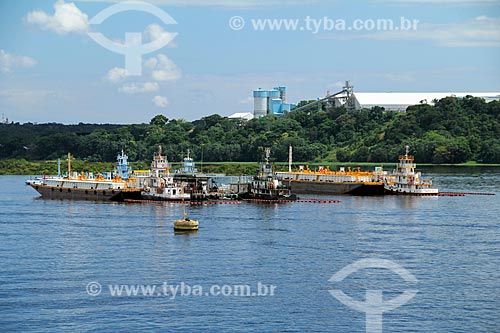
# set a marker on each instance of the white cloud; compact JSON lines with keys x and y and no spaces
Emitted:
{"x":10,"y":61}
{"x":67,"y":18}
{"x":139,"y":88}
{"x":155,"y":33}
{"x":481,"y":31}
{"x":163,"y":69}
{"x":116,"y":75}
{"x":160,"y":101}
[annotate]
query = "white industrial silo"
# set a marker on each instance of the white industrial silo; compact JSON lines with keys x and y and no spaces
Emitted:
{"x":260,"y":103}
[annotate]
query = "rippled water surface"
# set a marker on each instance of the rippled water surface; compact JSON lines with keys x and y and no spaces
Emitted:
{"x":50,"y":250}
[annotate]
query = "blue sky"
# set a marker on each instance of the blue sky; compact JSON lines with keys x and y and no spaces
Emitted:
{"x":52,"y":71}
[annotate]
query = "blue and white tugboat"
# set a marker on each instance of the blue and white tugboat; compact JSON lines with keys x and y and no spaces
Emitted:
{"x":265,"y":186}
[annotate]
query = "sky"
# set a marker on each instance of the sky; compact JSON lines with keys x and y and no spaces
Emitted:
{"x":194,"y":58}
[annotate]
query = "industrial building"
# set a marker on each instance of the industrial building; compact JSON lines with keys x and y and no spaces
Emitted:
{"x":242,"y":116}
{"x":390,"y":101}
{"x":270,"y":102}
{"x":397,"y":101}
{"x":274,"y":101}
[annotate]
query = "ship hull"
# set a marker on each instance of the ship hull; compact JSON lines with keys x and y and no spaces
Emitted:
{"x":145,"y":196}
{"x":330,"y":188}
{"x":415,"y":193}
{"x":252,"y":196}
{"x":49,"y":192}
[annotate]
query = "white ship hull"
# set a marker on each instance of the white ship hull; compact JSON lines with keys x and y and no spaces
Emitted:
{"x":394,"y":189}
{"x":171,"y":194}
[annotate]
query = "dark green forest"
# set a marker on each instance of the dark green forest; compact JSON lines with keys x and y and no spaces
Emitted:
{"x":450,"y":131}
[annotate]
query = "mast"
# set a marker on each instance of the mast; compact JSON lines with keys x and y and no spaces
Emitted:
{"x":69,"y":165}
{"x":290,"y":150}
{"x":268,"y":154}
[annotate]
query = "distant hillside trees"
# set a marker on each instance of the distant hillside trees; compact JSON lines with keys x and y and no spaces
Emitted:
{"x":451,"y":131}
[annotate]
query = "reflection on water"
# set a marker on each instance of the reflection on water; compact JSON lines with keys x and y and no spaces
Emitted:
{"x":50,"y":250}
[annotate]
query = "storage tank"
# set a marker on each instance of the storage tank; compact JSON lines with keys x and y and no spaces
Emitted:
{"x":274,"y":94}
{"x":282,"y":91}
{"x":276,"y":104}
{"x":260,"y":102}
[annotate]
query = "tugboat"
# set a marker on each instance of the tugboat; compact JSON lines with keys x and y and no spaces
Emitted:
{"x":188,"y":166}
{"x":404,"y":179}
{"x":161,"y":186}
{"x":265,"y":186}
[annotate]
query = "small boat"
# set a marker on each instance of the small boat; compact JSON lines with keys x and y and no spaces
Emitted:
{"x":186,"y":224}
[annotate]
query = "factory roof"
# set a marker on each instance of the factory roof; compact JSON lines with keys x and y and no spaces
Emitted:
{"x":241,"y":115}
{"x":400,"y":100}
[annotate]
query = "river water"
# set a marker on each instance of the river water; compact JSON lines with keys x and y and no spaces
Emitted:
{"x":62,"y":262}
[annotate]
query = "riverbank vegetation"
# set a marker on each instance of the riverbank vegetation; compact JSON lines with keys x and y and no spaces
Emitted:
{"x":451,"y":131}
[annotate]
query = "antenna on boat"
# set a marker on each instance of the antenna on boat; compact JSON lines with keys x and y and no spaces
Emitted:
{"x":69,"y":165}
{"x":407,"y":151}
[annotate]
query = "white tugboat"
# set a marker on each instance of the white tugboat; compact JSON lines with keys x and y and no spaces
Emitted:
{"x":160,"y":185}
{"x":404,"y":180}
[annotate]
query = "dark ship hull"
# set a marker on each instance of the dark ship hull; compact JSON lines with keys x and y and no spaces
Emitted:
{"x":327,"y":188}
{"x":49,"y":192}
{"x":267,"y":197}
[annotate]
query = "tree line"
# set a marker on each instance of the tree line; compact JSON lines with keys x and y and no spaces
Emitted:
{"x":450,"y":131}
